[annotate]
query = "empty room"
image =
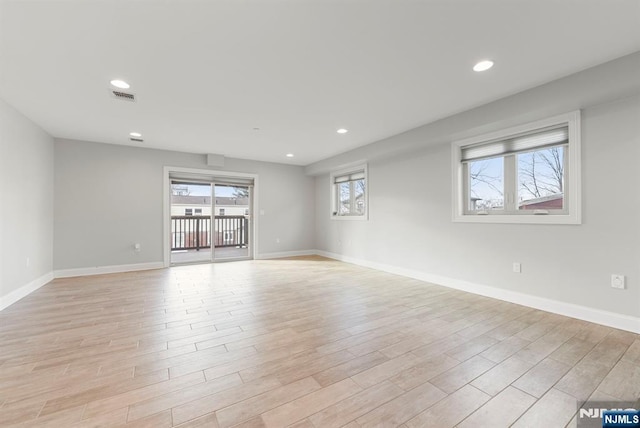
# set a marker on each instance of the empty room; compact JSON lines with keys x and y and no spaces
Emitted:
{"x":320,"y":213}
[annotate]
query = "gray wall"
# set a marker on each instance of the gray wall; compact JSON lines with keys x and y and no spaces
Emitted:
{"x":410,"y":198}
{"x":109,"y":196}
{"x":26,"y":208}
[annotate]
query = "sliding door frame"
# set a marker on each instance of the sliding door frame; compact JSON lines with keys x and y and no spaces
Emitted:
{"x":166,"y":224}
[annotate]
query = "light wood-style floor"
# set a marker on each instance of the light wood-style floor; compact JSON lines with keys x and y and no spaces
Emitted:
{"x":305,"y":342}
{"x":204,"y":255}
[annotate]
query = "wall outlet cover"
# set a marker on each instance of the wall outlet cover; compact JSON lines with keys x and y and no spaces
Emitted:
{"x":617,"y":281}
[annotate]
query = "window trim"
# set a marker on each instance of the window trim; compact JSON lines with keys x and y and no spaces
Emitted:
{"x":570,"y":214}
{"x":362,"y":167}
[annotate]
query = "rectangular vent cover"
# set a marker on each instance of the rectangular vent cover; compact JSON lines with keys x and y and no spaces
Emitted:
{"x":123,"y":96}
{"x":137,"y":140}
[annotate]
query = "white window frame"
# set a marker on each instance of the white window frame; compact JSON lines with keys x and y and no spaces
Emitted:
{"x":571,"y":212}
{"x":334,"y":192}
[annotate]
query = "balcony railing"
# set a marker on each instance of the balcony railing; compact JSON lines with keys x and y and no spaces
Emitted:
{"x":191,"y":232}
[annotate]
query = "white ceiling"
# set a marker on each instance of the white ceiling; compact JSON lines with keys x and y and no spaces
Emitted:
{"x":207,"y":72}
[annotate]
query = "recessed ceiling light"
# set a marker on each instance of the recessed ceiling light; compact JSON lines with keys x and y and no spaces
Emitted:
{"x":135,"y":134}
{"x":289,"y":155}
{"x":483,"y":65}
{"x":120,"y":84}
{"x":342,"y":131}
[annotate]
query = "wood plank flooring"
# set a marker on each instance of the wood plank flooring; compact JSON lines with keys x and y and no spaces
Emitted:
{"x":301,"y":342}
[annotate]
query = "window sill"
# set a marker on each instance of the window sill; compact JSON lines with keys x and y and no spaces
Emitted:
{"x":518,"y":219}
{"x":349,"y":217}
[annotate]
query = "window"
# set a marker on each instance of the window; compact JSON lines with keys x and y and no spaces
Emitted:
{"x":349,"y":193}
{"x":525,"y":174}
{"x":198,"y":211}
{"x":221,"y":211}
{"x":541,"y":179}
{"x":188,"y":211}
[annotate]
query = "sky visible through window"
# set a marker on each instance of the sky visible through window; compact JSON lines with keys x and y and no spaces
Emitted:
{"x":486,"y":183}
{"x":540,"y":173}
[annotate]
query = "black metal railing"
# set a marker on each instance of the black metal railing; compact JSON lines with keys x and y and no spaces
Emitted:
{"x":191,"y":232}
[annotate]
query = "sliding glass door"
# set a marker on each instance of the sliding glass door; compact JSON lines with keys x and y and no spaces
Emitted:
{"x":190,"y":222}
{"x":232,"y":222}
{"x":211,"y":219}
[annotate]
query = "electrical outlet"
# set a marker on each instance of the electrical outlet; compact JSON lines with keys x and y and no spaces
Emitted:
{"x":517,"y":267}
{"x":617,"y":281}
{"x":137,"y":247}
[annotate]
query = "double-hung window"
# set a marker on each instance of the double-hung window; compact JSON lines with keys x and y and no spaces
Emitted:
{"x":349,"y":193}
{"x":525,"y":174}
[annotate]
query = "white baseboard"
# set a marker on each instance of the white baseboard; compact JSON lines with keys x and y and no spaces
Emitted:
{"x":611,"y":319}
{"x":25,"y":290}
{"x":282,"y":254}
{"x":99,"y":270}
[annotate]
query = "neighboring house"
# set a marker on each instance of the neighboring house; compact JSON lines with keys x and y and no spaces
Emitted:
{"x":474,"y":203}
{"x":201,"y":205}
{"x":229,"y":229}
{"x":551,"y":202}
{"x":232,"y":206}
{"x":346,"y":208}
{"x":190,"y":205}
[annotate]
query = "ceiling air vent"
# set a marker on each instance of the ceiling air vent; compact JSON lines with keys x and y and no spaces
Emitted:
{"x":137,"y":140}
{"x":125,"y":96}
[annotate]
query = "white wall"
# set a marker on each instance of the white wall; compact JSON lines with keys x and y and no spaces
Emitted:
{"x":26,"y":205}
{"x":108,"y":197}
{"x":410,"y":224}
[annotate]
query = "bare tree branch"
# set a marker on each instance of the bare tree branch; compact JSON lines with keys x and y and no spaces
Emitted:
{"x":240,"y":192}
{"x":541,"y":173}
{"x":553,"y":159}
{"x":477,"y":175}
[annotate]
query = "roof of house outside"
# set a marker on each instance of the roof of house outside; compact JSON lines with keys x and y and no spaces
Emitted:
{"x":550,"y":201}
